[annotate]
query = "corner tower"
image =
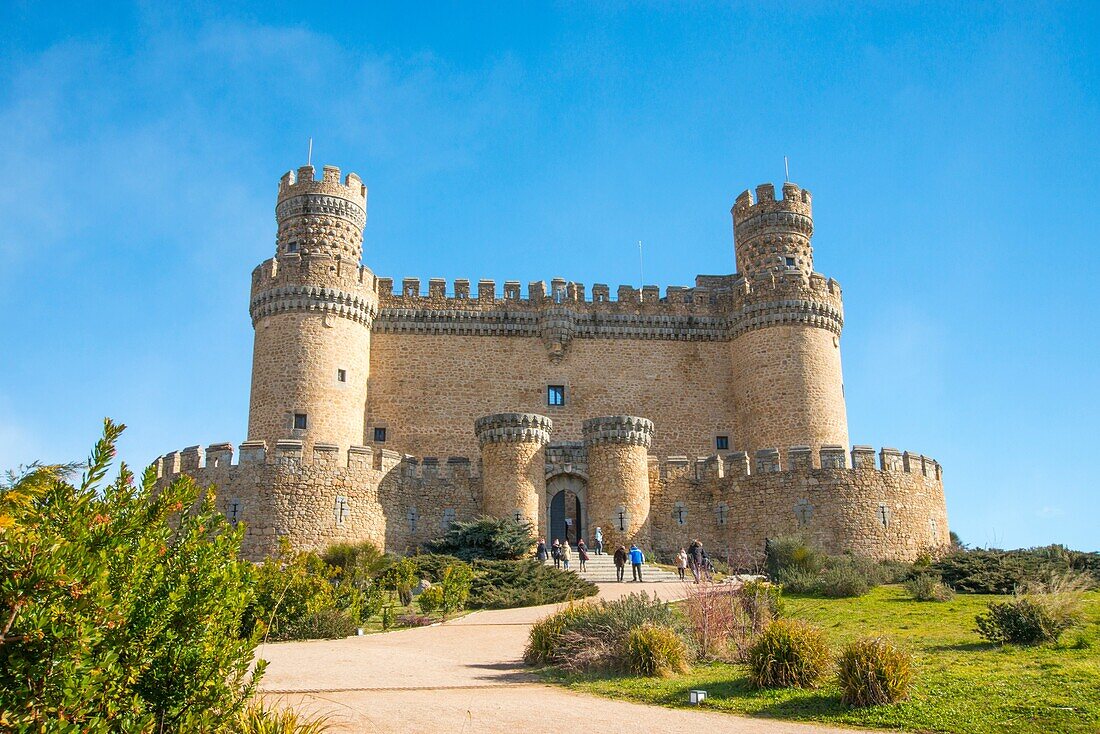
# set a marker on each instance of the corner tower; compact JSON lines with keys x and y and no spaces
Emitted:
{"x":788,"y":388}
{"x":312,"y":308}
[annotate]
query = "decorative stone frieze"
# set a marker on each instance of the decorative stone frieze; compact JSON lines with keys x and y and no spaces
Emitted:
{"x":624,"y":429}
{"x":513,"y":428}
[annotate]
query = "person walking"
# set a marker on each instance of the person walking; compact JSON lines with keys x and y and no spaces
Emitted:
{"x":555,"y":553}
{"x":582,"y":554}
{"x":696,"y":558}
{"x":681,"y":563}
{"x":540,"y":552}
{"x":599,"y":541}
{"x":566,"y":554}
{"x":637,"y":558}
{"x":620,"y":562}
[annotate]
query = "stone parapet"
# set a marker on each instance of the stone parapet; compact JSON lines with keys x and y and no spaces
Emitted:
{"x":513,"y":428}
{"x":622,"y":429}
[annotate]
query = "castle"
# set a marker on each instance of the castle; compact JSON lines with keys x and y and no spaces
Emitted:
{"x":714,"y":411}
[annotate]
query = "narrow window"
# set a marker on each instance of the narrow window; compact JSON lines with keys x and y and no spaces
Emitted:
{"x":555,"y":395}
{"x":790,"y":262}
{"x":722,"y":443}
{"x":291,"y":246}
{"x":449,"y":516}
{"x":341,"y":375}
{"x":300,"y":421}
{"x":379,"y":435}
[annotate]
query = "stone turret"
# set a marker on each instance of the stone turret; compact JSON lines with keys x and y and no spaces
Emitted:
{"x":618,"y":471}
{"x":786,"y":379}
{"x":312,"y":308}
{"x":513,"y":464}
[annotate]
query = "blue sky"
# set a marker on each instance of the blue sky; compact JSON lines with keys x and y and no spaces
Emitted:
{"x":951,"y":148}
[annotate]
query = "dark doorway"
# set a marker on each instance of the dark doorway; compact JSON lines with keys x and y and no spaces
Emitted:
{"x":565,"y":506}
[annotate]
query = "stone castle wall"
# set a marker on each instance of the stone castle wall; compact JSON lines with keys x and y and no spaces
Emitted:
{"x":894,"y":510}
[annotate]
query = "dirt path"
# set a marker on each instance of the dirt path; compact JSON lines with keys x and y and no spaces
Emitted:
{"x":467,"y":676}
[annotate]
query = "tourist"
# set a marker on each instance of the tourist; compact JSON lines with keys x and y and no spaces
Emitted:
{"x":555,"y":553}
{"x":566,"y":554}
{"x":637,"y":558}
{"x":696,"y":557}
{"x":582,"y":553}
{"x":599,"y":541}
{"x":620,"y":562}
{"x":540,"y":552}
{"x":681,"y":563}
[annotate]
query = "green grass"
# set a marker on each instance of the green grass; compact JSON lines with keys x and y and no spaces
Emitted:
{"x":962,"y":684}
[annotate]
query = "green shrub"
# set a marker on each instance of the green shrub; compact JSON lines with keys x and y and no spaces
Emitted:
{"x":430,"y":600}
{"x":488,"y":538}
{"x":849,"y":576}
{"x":653,"y":650}
{"x":791,"y":552}
{"x":120,"y":603}
{"x":326,"y":624}
{"x":430,"y":565}
{"x":355,"y":561}
{"x":788,"y":653}
{"x":545,"y":634}
{"x":399,"y":579}
{"x":258,"y":719}
{"x":524,"y":583}
{"x":454,"y":588}
{"x":761,"y":600}
{"x":1039,"y":613}
{"x":872,"y":671}
{"x":799,"y":581}
{"x":928,"y":587}
{"x":1001,"y":572}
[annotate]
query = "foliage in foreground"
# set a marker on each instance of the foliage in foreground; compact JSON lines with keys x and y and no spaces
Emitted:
{"x":789,"y":652}
{"x":486,"y":538}
{"x":1040,"y":614}
{"x":592,"y":635}
{"x":259,"y":719}
{"x":803,"y":569}
{"x":120,"y":605}
{"x":1001,"y":572}
{"x":524,"y":583}
{"x":725,"y":619}
{"x":873,"y":671}
{"x":928,"y":587}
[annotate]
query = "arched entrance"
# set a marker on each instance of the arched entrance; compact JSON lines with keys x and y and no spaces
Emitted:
{"x":567,"y":515}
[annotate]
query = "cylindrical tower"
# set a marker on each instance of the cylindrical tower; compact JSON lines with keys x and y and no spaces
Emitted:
{"x":788,"y":389}
{"x":312,"y":307}
{"x":513,"y":464}
{"x":618,"y":477}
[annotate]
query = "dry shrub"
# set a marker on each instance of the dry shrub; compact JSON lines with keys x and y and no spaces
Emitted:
{"x":872,"y":671}
{"x":1039,"y":613}
{"x":725,"y":619}
{"x":788,"y":653}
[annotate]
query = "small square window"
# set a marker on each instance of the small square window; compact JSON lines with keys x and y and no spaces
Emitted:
{"x":555,"y":395}
{"x":790,"y":262}
{"x":722,"y":443}
{"x":379,"y":435}
{"x":341,"y":375}
{"x":292,"y":247}
{"x":300,"y":421}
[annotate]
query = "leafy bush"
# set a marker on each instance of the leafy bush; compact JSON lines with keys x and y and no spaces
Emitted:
{"x":791,"y":552}
{"x":259,"y":719}
{"x":430,"y":565}
{"x":291,"y":589}
{"x":400,"y":578}
{"x":848,"y":576}
{"x":929,"y":587}
{"x":1039,"y":614}
{"x":325,"y":624}
{"x":454,"y":588}
{"x":1000,"y":572}
{"x":120,"y":603}
{"x":788,"y":653}
{"x":590,"y":635}
{"x":355,"y":561}
{"x":654,"y":651}
{"x":487,"y":538}
{"x":762,"y":601}
{"x":414,"y":620}
{"x":430,"y":600}
{"x":799,"y":581}
{"x":525,"y":583}
{"x":872,"y":671}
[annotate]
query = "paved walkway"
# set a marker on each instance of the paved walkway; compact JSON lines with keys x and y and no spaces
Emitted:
{"x":468,"y":676}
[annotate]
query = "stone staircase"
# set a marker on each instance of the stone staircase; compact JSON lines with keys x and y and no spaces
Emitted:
{"x":601,"y":569}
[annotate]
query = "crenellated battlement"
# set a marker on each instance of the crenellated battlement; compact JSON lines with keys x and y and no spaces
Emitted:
{"x":795,"y":200}
{"x":290,"y":455}
{"x":303,"y":181}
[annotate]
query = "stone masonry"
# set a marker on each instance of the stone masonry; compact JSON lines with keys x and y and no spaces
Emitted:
{"x":713,"y":411}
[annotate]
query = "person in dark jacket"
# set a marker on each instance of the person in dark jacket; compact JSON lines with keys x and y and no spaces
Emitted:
{"x":620,"y":562}
{"x":582,"y":553}
{"x":696,"y":559}
{"x":555,"y":553}
{"x":541,"y":553}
